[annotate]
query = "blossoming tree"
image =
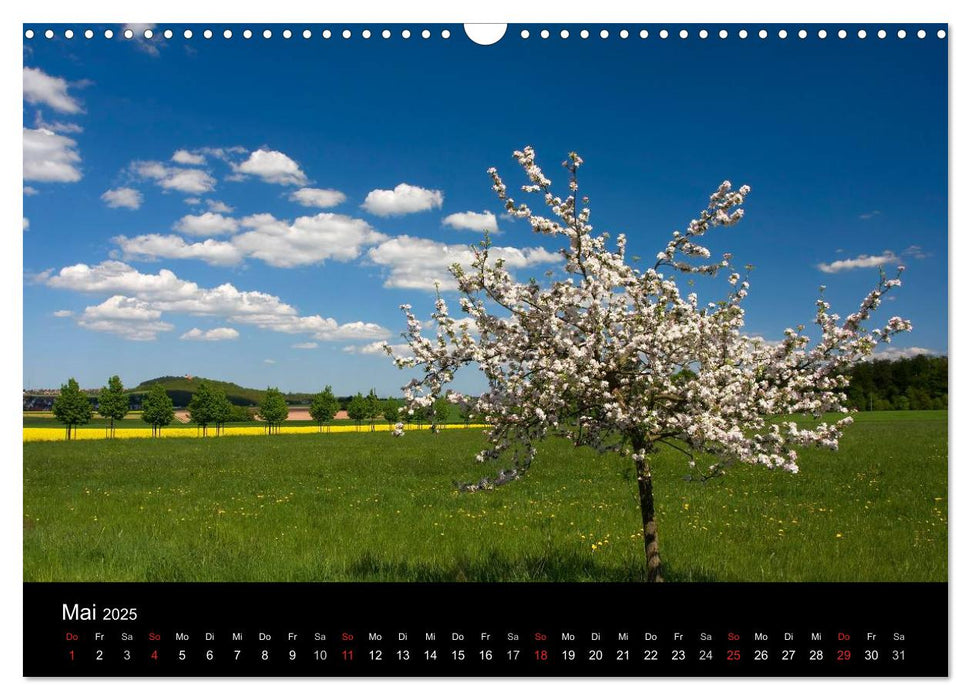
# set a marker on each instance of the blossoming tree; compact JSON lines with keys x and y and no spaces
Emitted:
{"x":599,"y":353}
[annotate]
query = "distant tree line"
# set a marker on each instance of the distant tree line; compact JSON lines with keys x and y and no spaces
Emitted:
{"x":909,"y":383}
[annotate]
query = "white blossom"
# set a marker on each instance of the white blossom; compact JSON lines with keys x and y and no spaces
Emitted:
{"x":600,"y":354}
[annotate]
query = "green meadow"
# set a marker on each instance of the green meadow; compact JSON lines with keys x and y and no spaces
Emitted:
{"x":370,"y":507}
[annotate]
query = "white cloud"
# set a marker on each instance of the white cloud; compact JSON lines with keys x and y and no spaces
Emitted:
{"x":895,"y":353}
{"x":153,"y":246}
{"x":484,"y":222}
{"x":138,"y":39}
{"x":30,"y":191}
{"x":403,"y":199}
{"x":322,"y":199}
{"x":915,"y":251}
{"x":188,"y":180}
{"x":219,"y":207}
{"x":268,"y":361}
{"x":377,"y":348}
{"x":870,"y":214}
{"x":304,"y":346}
{"x":165,"y":292}
{"x":57,"y":127}
{"x":50,"y":157}
{"x":184,"y":157}
{"x":26,"y":223}
{"x":40,"y":88}
{"x":417,"y":263}
{"x":122,"y":197}
{"x":308,"y":240}
{"x":273,"y":167}
{"x":208,"y":224}
{"x":132,"y":319}
{"x":63,"y":313}
{"x":192,"y":201}
{"x":211,"y":335}
{"x":860,"y":261}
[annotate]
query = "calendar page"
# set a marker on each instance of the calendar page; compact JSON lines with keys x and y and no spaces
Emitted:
{"x":541,"y":350}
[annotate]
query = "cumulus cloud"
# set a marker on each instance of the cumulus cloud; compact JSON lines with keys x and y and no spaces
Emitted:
{"x":377,"y":348}
{"x":123,"y":197}
{"x":30,"y":191}
{"x":188,"y":180}
{"x":895,"y":353}
{"x":268,"y":361}
{"x":861,"y":261}
{"x":50,"y":157}
{"x":43,"y":89}
{"x":208,"y":224}
{"x":153,"y":246}
{"x":211,"y":335}
{"x":304,"y":346}
{"x":484,"y":222}
{"x":308,"y":240}
{"x":417,"y":263}
{"x":273,"y":167}
{"x":132,"y":319}
{"x":184,"y":157}
{"x":403,"y":199}
{"x":63,"y":313}
{"x":322,"y":199}
{"x":165,"y":292}
{"x":916,"y":252}
{"x":218,"y":207}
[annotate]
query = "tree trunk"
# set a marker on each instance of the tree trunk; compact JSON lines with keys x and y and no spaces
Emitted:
{"x":645,"y":488}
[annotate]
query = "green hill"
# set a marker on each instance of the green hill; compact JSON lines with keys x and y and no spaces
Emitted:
{"x":181,"y":390}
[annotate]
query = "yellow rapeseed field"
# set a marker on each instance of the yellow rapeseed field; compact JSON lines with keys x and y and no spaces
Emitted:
{"x":53,"y":434}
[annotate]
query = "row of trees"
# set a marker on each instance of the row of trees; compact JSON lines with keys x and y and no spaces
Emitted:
{"x":210,"y":408}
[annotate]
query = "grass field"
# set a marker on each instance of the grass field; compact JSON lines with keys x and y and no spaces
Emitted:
{"x":365,"y":507}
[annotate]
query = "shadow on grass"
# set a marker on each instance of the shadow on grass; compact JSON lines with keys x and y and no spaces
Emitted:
{"x":549,"y":567}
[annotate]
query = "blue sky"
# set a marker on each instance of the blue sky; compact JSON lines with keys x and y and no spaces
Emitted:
{"x":256,"y":210}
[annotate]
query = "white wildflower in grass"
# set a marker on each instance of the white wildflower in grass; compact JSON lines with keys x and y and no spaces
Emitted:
{"x":615,"y":357}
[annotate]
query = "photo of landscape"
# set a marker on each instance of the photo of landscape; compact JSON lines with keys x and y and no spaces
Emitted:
{"x":387,"y":305}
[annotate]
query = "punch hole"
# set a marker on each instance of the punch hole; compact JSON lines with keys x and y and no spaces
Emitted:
{"x":29,"y":34}
{"x":763,"y":34}
{"x":88,"y":34}
{"x":902,"y":34}
{"x":167,"y":33}
{"x":624,"y":33}
{"x":841,"y":33}
{"x":723,"y":34}
{"x":743,"y":34}
{"x":703,"y":34}
{"x":584,"y":34}
{"x":426,"y":34}
{"x":69,"y":34}
{"x":49,"y":34}
{"x":604,"y":34}
{"x":644,"y":34}
{"x":109,"y":34}
{"x":664,"y":34}
{"x":783,"y":33}
{"x":545,"y":34}
{"x":207,"y":34}
{"x":803,"y":33}
{"x":683,"y":34}
{"x":941,"y":34}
